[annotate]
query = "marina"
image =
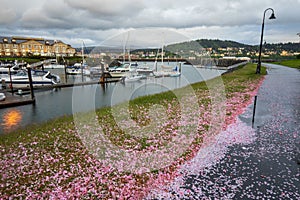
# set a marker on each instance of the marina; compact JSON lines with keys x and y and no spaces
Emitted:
{"x":56,"y":100}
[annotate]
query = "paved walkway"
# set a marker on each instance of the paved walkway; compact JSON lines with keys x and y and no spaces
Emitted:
{"x":268,"y":166}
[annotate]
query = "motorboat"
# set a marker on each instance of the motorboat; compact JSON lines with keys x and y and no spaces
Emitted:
{"x":74,"y":69}
{"x":54,"y":65}
{"x":78,"y":69}
{"x":121,"y":71}
{"x":96,"y":71}
{"x":39,"y":78}
{"x":145,"y":70}
{"x":11,"y":68}
{"x":2,"y":97}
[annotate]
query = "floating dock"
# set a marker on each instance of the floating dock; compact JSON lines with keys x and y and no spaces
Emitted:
{"x":15,"y":100}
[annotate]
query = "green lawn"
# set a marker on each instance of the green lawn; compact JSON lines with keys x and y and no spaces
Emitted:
{"x":290,"y":63}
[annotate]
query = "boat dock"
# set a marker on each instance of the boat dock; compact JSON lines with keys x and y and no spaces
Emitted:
{"x":65,"y":85}
{"x":15,"y":100}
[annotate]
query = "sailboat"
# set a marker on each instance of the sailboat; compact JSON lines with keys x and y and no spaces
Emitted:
{"x":166,"y":70}
{"x":175,"y":72}
{"x":79,"y":68}
{"x":126,"y":69}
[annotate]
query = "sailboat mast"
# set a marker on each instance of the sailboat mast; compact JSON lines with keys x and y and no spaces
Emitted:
{"x":82,"y":53}
{"x":124,"y":53}
{"x":162,"y":49}
{"x":162,"y":54}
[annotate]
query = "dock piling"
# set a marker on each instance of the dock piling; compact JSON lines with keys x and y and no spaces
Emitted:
{"x":30,"y":82}
{"x":11,"y":84}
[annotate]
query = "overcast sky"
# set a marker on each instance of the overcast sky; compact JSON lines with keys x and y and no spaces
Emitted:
{"x":98,"y":21}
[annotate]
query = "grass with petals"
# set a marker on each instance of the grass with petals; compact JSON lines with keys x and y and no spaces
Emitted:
{"x":50,"y":161}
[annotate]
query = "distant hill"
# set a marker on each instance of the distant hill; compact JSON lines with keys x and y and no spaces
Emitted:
{"x":100,"y":49}
{"x":215,"y":44}
{"x":207,"y":43}
{"x":291,"y":47}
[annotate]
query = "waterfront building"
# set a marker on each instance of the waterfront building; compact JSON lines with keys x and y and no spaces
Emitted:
{"x":26,"y":46}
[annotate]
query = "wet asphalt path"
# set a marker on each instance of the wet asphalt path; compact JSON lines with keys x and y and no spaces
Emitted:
{"x":269,"y":167}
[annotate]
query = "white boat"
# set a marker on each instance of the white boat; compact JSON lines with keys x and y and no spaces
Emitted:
{"x":174,"y":74}
{"x":166,"y":70}
{"x":131,"y":78}
{"x":78,"y":69}
{"x":146,"y":70}
{"x":2,"y":97}
{"x":158,"y":74}
{"x":4,"y":69}
{"x":166,"y":67}
{"x":96,"y":71}
{"x":39,"y":78}
{"x":54,"y":66}
{"x":165,"y":73}
{"x":121,"y":71}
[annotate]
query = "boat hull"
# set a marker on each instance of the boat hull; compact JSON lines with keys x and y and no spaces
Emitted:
{"x":39,"y":78}
{"x":54,"y":66}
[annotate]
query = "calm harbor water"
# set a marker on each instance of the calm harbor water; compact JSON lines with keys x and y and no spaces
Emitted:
{"x":55,"y":103}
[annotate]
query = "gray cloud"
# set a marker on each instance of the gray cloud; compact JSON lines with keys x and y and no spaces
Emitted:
{"x":7,"y":16}
{"x":95,"y":20}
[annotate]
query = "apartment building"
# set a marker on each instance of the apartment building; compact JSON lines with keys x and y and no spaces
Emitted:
{"x":25,"y":46}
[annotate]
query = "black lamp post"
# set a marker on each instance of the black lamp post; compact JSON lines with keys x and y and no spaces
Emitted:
{"x":261,"y":38}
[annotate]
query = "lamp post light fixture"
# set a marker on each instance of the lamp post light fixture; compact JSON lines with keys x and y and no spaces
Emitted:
{"x":261,"y":38}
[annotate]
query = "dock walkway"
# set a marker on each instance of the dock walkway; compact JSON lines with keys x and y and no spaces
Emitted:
{"x":15,"y":100}
{"x":18,"y":100}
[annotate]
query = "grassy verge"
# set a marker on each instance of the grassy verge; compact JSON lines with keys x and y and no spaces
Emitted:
{"x":52,"y":160}
{"x":290,"y":63}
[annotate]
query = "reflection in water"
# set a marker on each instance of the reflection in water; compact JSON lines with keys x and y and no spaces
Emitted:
{"x":11,"y":118}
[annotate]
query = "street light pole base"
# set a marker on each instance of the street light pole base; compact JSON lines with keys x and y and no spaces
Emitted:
{"x":258,"y":69}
